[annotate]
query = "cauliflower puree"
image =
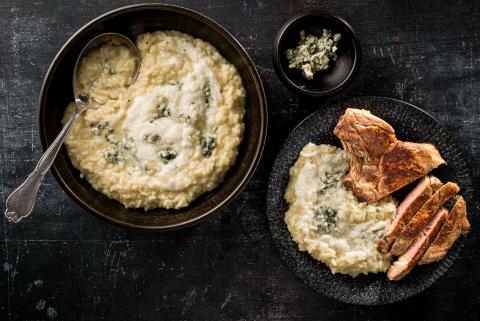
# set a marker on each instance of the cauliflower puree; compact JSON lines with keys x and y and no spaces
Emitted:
{"x":169,"y":137}
{"x":327,"y":220}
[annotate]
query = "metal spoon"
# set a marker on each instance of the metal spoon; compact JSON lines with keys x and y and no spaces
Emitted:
{"x":22,"y":200}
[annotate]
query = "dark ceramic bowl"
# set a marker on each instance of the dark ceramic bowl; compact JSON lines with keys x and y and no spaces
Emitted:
{"x":131,"y":21}
{"x":324,"y":83}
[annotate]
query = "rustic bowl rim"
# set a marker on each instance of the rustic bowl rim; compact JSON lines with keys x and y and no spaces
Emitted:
{"x":353,"y":72}
{"x":241,"y":51}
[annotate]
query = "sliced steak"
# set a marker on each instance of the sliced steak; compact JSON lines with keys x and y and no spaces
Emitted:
{"x":405,"y":263}
{"x":406,"y":209}
{"x":456,"y":224}
{"x":423,"y":217}
{"x":379,"y":163}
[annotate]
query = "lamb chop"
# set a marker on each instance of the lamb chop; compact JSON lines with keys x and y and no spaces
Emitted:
{"x":456,"y":224}
{"x":423,"y":217}
{"x":405,"y":263}
{"x":379,"y":163}
{"x":405,"y":210}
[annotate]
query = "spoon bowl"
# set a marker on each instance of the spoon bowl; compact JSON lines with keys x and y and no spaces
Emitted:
{"x":115,"y":39}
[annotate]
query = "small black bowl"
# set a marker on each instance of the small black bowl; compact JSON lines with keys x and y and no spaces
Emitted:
{"x":324,"y":83}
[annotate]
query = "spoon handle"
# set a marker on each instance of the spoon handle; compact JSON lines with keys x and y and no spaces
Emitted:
{"x":20,"y":203}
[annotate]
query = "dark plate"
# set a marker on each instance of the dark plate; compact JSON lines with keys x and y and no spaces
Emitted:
{"x":410,"y":124}
{"x":324,"y":83}
{"x":131,"y":21}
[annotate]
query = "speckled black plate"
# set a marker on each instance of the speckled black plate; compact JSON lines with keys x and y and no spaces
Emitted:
{"x":411,"y":124}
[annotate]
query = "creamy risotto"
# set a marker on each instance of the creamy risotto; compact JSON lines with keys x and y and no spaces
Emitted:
{"x":168,"y":137}
{"x":328,"y":221}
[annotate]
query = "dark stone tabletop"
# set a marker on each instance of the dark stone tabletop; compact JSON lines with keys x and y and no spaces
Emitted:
{"x":64,"y":264}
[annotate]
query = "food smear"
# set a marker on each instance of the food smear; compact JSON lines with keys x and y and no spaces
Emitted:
{"x":313,"y":53}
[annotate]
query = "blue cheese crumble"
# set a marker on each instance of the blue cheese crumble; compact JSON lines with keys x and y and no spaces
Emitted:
{"x":328,"y":221}
{"x":313,"y":53}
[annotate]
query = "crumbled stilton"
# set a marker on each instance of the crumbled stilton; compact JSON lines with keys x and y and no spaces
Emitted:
{"x":326,"y":218}
{"x":128,"y":143}
{"x":161,"y":110}
{"x":206,"y":93}
{"x":111,"y":138}
{"x":97,"y":129}
{"x":151,"y":138}
{"x":166,"y":154}
{"x":313,"y":53}
{"x":184,"y":118}
{"x":329,"y":181}
{"x":113,"y":156}
{"x":207,"y":145}
{"x":177,"y":83}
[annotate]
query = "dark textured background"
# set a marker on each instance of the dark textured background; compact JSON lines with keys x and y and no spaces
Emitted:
{"x":64,"y":264}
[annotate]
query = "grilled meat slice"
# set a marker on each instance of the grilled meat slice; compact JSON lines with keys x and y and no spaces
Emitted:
{"x":456,"y":224}
{"x":379,"y":163}
{"x":366,"y":138}
{"x":405,"y":263}
{"x":423,"y":217}
{"x":410,"y":205}
{"x":404,"y":162}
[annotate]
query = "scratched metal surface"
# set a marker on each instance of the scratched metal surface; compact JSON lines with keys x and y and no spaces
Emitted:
{"x":64,"y":264}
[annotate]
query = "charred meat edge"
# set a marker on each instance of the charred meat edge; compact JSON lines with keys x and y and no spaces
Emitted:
{"x":422,"y":217}
{"x":405,"y":263}
{"x":455,"y":225}
{"x":405,"y":210}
